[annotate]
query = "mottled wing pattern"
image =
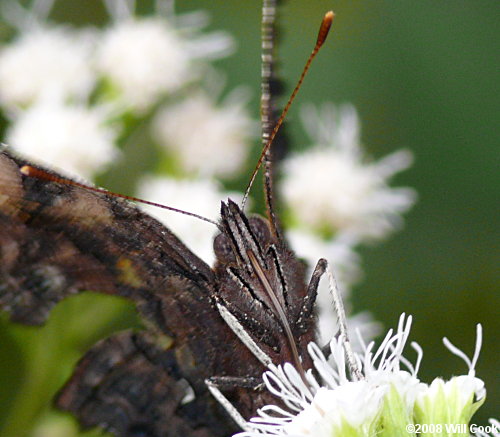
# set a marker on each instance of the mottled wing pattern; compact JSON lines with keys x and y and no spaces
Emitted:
{"x":129,"y":386}
{"x":57,"y":240}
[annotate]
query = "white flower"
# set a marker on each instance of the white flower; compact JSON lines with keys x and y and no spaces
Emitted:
{"x":145,"y":59}
{"x":42,"y":60}
{"x":201,"y":196}
{"x":452,"y":401}
{"x":384,"y":402}
{"x":337,"y":404}
{"x":71,"y":137}
{"x":330,"y":188}
{"x":206,"y":139}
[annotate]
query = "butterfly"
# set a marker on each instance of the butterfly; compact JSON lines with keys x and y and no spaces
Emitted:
{"x":209,"y":329}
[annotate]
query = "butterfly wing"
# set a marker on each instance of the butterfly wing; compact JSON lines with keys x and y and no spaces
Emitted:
{"x":129,"y":386}
{"x":57,"y":240}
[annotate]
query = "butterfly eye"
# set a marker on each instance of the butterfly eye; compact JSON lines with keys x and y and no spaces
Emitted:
{"x":223,"y":249}
{"x":260,"y":230}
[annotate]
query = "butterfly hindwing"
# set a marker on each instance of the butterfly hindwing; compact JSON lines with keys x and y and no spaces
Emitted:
{"x":128,"y":385}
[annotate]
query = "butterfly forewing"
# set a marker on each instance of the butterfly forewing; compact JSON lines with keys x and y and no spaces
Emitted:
{"x":75,"y":240}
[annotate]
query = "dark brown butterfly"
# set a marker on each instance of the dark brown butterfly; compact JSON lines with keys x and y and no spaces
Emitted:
{"x":58,"y":238}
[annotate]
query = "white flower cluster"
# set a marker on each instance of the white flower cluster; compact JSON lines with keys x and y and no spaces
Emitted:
{"x":68,"y":93}
{"x":143,"y":59}
{"x":206,"y":140}
{"x":72,"y":137}
{"x":338,"y":200}
{"x":44,"y":60}
{"x":388,"y":400}
{"x":332,"y":189}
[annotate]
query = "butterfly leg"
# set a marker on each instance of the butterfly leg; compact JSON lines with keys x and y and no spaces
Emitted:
{"x":305,"y":315}
{"x":308,"y":307}
{"x":230,"y":382}
{"x":217,"y":383}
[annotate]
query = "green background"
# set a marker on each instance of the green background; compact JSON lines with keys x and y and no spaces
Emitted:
{"x":423,"y":75}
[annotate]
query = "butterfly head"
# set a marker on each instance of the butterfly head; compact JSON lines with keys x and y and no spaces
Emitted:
{"x":262,"y":283}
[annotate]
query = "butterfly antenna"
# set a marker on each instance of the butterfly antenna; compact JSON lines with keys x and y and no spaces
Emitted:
{"x":38,"y":173}
{"x":271,"y":88}
{"x":322,"y":34}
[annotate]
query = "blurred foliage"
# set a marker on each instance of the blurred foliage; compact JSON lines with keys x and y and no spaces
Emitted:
{"x":423,"y":75}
